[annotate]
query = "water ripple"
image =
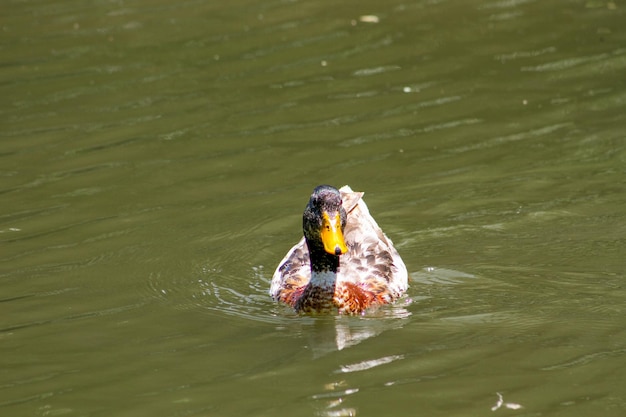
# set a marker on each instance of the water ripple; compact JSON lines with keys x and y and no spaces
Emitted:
{"x":499,"y":140}
{"x":404,"y":132}
{"x":369,"y":364}
{"x":565,"y":63}
{"x":585,"y":359}
{"x":375,"y":70}
{"x":524,"y":54}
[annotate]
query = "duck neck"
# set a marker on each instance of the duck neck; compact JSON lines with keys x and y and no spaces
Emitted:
{"x":324,"y":267}
{"x":319,"y":293}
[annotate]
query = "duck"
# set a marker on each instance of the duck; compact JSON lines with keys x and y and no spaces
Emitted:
{"x":344,"y":263}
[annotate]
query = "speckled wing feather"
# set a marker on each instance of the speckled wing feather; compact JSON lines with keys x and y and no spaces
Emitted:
{"x":372,"y":263}
{"x":292,"y":274}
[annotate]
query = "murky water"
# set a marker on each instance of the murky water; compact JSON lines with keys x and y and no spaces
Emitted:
{"x":155,"y":158}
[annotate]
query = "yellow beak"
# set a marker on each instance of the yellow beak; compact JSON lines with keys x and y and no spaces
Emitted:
{"x":332,"y":236}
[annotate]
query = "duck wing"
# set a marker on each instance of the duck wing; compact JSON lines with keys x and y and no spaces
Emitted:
{"x":292,"y":274}
{"x":372,"y":262}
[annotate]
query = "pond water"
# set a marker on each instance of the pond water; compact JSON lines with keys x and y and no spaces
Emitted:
{"x":156,"y":156}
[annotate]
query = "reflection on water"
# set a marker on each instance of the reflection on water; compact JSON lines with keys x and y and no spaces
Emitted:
{"x":344,"y":332}
{"x":368,"y":364}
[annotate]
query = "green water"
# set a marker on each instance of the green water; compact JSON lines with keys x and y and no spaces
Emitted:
{"x":155,"y":159}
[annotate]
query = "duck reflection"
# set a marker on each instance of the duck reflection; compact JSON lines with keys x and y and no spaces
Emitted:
{"x":334,"y":333}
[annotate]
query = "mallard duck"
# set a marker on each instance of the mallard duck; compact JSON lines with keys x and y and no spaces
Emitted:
{"x":343,"y":263}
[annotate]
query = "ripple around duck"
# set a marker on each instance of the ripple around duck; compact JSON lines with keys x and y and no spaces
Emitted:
{"x":212,"y":287}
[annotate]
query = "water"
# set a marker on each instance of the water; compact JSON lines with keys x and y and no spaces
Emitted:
{"x":155,"y":159}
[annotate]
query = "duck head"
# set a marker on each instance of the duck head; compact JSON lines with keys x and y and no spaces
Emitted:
{"x":324,"y":220}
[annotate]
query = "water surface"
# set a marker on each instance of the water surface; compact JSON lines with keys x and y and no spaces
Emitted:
{"x":155,"y":159}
